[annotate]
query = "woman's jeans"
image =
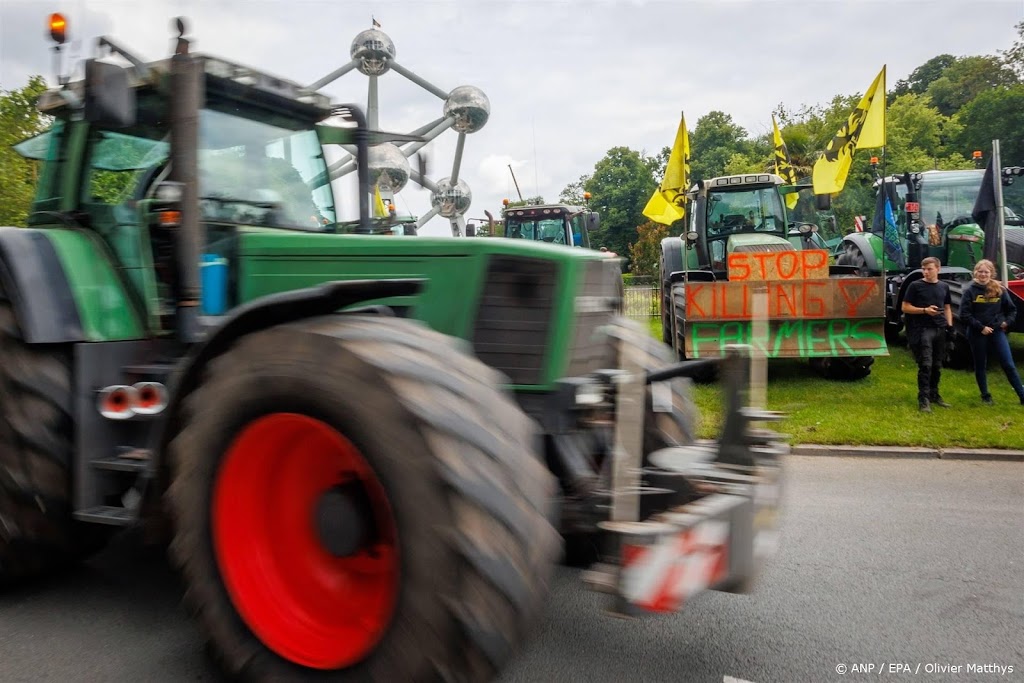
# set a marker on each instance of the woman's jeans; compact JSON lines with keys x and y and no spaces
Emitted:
{"x":995,"y":344}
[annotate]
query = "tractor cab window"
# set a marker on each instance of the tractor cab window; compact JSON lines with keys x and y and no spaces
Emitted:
{"x":757,"y":210}
{"x":1013,"y":206}
{"x":580,"y":235}
{"x":260,"y":173}
{"x":947,"y":197}
{"x":119,"y":163}
{"x":542,"y":230}
{"x":48,"y":147}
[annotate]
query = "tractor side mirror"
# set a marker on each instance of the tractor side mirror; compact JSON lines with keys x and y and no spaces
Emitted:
{"x":109,"y":98}
{"x":823,"y":202}
{"x":593,"y":221}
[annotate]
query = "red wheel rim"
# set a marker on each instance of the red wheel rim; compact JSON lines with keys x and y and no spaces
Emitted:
{"x":305,"y":604}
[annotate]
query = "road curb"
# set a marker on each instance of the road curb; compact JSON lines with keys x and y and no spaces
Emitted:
{"x":913,"y":452}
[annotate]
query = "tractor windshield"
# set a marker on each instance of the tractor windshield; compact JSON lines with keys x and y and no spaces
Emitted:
{"x":258,"y":173}
{"x":948,"y":196}
{"x":745,"y":211}
{"x":540,"y":229}
{"x":1013,"y":204}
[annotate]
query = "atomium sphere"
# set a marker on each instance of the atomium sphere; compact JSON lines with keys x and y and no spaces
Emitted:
{"x":451,"y":200}
{"x":388,"y":167}
{"x":373,"y":51}
{"x":470,"y":107}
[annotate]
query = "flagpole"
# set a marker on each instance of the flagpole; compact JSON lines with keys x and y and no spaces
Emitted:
{"x":997,"y":191}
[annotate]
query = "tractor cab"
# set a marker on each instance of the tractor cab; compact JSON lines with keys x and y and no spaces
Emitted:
{"x":741,"y":213}
{"x":552,"y":223}
{"x":249,"y":152}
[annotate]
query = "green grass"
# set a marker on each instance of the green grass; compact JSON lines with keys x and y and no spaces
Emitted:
{"x":881,"y":410}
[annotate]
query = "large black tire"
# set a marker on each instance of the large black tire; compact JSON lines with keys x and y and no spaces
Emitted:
{"x":470,"y":499}
{"x":671,"y":261}
{"x":661,"y":430}
{"x":892,"y":333}
{"x":37,"y":532}
{"x":852,"y":256}
{"x":678,"y":297}
{"x":958,"y":349}
{"x":843,"y":369}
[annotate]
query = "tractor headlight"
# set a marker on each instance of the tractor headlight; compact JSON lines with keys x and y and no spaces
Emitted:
{"x":589,"y":394}
{"x":169,"y":192}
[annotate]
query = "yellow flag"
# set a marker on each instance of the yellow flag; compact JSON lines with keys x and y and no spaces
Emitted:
{"x":865,"y":128}
{"x":783,"y":167}
{"x":379,"y":210}
{"x":666,"y":204}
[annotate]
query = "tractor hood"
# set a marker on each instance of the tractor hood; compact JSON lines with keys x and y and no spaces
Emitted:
{"x":753,"y":241}
{"x":512,"y":299}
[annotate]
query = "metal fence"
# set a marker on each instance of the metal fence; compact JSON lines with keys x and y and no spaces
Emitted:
{"x":642,"y":299}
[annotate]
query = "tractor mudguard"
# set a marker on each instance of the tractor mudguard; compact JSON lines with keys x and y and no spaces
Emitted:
{"x":264,"y":312}
{"x":861,"y":242}
{"x":34,"y":279}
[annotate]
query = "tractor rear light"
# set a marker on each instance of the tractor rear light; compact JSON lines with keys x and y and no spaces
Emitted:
{"x":58,"y":28}
{"x":169,"y":219}
{"x":150,"y":398}
{"x":117,"y":402}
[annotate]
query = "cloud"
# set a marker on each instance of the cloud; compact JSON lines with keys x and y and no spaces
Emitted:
{"x":566,"y":80}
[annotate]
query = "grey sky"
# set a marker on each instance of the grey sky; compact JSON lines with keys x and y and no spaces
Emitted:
{"x":567,"y":80}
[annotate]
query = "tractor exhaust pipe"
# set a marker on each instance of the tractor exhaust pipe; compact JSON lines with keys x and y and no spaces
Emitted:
{"x":186,"y":99}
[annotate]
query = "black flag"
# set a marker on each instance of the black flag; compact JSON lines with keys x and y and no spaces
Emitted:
{"x":984,"y":212}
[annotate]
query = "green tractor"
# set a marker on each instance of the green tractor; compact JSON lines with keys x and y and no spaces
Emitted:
{"x":741,"y":250}
{"x":552,"y":223}
{"x":362,"y":448}
{"x":932,"y":211}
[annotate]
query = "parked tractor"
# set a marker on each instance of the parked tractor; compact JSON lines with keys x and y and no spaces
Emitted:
{"x":552,"y":223}
{"x":363,"y":447}
{"x":741,"y":252}
{"x":933,"y":218}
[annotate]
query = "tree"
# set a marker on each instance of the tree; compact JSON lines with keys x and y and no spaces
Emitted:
{"x":965,"y":79}
{"x":645,"y":253}
{"x":573,"y":192}
{"x":922,"y":77}
{"x":996,"y":114}
{"x":619,"y":187}
{"x":19,"y":119}
{"x":1014,"y":57}
{"x":715,"y":139}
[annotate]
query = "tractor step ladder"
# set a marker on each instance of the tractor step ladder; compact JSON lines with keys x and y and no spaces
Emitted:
{"x":133,"y":461}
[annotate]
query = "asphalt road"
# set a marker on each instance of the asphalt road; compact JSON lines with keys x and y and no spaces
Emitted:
{"x":882,"y":562}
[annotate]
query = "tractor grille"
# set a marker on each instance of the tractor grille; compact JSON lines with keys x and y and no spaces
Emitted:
{"x":590,"y":348}
{"x":514,"y":318}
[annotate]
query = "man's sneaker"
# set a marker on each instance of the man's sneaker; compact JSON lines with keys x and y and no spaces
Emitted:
{"x":987,"y":400}
{"x":924,"y":406}
{"x":937,"y":401}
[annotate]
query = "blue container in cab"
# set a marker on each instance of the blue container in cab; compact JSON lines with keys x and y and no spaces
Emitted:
{"x":214,"y":274}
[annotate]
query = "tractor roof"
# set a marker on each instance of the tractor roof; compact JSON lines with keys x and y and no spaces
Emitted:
{"x":232,"y":79}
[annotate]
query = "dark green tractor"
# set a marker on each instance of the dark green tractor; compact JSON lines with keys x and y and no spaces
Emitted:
{"x":742,"y":249}
{"x":932,"y":213}
{"x":363,"y":446}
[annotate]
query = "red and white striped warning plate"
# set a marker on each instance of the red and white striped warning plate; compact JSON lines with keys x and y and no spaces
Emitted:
{"x":662,"y":576}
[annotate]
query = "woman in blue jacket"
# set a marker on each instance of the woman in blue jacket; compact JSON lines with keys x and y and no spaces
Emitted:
{"x":987,"y":311}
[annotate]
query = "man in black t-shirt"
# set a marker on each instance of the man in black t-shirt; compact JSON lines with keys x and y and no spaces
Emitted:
{"x":929,"y":314}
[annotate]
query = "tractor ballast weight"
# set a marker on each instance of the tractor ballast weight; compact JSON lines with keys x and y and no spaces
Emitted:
{"x":440,"y":405}
{"x":738,"y":245}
